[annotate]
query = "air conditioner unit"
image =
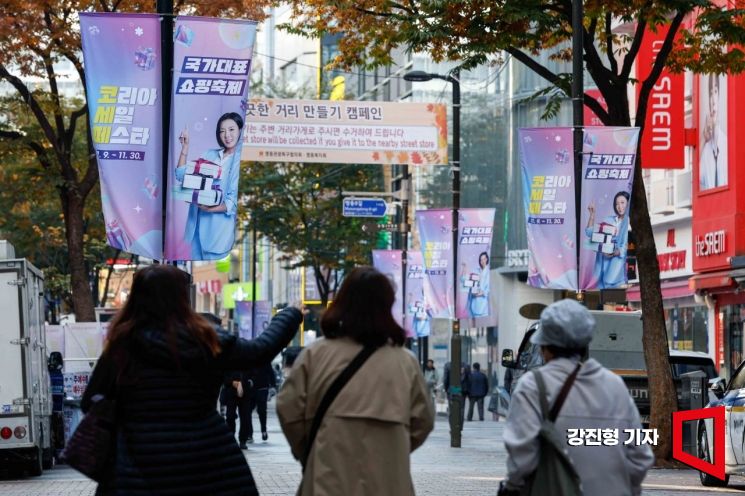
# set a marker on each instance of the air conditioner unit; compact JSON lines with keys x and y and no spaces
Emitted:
{"x":661,"y":201}
{"x":683,"y":187}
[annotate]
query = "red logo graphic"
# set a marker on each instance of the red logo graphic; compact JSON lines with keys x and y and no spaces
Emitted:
{"x":715,"y":469}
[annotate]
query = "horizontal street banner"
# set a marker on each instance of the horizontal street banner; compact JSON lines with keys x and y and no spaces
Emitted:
{"x":324,"y":131}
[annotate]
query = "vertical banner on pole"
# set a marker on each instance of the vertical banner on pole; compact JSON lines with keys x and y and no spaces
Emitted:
{"x":211,"y":67}
{"x":123,"y":84}
{"x":474,"y":246}
{"x":436,"y":237}
{"x":418,"y":321}
{"x":548,"y":196}
{"x":246,"y":327}
{"x":389,"y":263}
{"x":608,"y":174}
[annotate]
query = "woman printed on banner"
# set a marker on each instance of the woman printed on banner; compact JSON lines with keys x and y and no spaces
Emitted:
{"x":211,"y":229}
{"x":477,"y":303}
{"x":421,"y":312}
{"x":713,"y":158}
{"x":610,"y":261}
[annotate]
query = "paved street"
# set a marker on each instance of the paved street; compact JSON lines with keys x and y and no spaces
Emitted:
{"x":475,"y":469}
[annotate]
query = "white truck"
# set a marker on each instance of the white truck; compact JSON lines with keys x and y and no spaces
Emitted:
{"x":25,"y":390}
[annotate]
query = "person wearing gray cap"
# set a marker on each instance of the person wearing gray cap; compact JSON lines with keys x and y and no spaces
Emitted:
{"x":594,"y":411}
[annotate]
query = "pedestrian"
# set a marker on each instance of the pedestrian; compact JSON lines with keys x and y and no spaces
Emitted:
{"x":363,"y":443}
{"x":465,"y":376}
{"x":478,"y":387}
{"x":431,"y":377}
{"x":596,"y":400}
{"x":262,"y":379}
{"x":236,"y":396}
{"x":163,"y":364}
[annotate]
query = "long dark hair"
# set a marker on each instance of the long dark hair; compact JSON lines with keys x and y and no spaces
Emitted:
{"x":160,"y":300}
{"x":224,"y":117}
{"x":362,"y":310}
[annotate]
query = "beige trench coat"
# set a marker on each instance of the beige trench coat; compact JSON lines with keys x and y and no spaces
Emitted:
{"x":382,"y":414}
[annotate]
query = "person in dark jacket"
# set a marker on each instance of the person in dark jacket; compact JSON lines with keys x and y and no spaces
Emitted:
{"x":478,"y":386}
{"x":236,"y":397}
{"x":262,"y":379}
{"x":164,"y":364}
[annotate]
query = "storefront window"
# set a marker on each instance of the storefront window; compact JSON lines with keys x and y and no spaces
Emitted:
{"x":686,"y":328}
{"x":733,"y":319}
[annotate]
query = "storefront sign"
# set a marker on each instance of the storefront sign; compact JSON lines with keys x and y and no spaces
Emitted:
{"x":711,"y":243}
{"x":663,"y":142}
{"x":346,"y":132}
{"x":675,"y":260}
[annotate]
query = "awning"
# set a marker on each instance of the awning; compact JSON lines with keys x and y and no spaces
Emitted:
{"x":670,"y":289}
{"x":721,"y":279}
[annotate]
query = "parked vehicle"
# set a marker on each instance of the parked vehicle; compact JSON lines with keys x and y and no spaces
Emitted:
{"x":25,"y":390}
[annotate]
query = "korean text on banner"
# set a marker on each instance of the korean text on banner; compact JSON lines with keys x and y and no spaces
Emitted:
{"x":211,"y":67}
{"x":608,"y":174}
{"x":389,"y":263}
{"x":246,"y":327}
{"x":548,"y":196}
{"x":436,"y":235}
{"x":123,"y":82}
{"x":346,"y":132}
{"x":474,"y":246}
{"x":419,"y":313}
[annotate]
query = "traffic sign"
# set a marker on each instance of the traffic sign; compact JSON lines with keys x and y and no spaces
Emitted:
{"x":364,"y":207}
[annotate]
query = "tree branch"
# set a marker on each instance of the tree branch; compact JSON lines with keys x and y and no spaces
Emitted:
{"x":595,"y":106}
{"x":609,"y":44}
{"x":542,"y":71}
{"x":70,"y":133}
{"x":628,"y":59}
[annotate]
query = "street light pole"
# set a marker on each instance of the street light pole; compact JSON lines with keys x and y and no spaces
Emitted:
{"x":455,"y":394}
{"x":578,"y":90}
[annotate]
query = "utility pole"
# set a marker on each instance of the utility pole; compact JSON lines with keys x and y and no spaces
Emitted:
{"x":165,"y":7}
{"x":578,"y":90}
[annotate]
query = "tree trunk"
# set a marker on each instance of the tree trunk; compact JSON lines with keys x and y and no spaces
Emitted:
{"x":662,"y":395}
{"x":82,"y":297}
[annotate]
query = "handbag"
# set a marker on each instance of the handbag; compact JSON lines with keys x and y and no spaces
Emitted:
{"x":555,"y":473}
{"x":90,"y":449}
{"x":332,"y":393}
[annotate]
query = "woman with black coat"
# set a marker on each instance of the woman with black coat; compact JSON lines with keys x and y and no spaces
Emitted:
{"x":164,"y":364}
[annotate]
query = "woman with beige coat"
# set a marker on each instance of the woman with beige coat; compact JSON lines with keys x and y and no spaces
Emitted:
{"x":378,"y":418}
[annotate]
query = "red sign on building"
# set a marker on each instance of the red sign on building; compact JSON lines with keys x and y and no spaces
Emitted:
{"x":663,"y":141}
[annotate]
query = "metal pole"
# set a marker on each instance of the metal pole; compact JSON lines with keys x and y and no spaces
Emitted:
{"x":253,"y":282}
{"x":456,"y":395}
{"x":166,"y":50}
{"x":577,"y":114}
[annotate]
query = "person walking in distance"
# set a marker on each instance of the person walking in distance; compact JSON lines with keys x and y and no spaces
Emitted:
{"x":378,"y":416}
{"x":263,"y":379}
{"x":582,"y":397}
{"x":163,"y":364}
{"x":478,"y":387}
{"x":431,"y":377}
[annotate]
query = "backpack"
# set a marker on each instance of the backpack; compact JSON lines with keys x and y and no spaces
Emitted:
{"x":555,"y":473}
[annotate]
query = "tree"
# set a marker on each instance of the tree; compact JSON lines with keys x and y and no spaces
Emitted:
{"x":472,"y":31}
{"x":298,"y":207}
{"x":35,"y":39}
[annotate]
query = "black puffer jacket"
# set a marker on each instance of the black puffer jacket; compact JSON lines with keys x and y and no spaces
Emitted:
{"x":170,"y":438}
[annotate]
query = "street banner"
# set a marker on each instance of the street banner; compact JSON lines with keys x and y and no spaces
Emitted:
{"x":609,"y":155}
{"x":474,"y":246}
{"x":211,"y":67}
{"x":389,"y":263}
{"x":246,"y":327}
{"x":346,"y":132}
{"x":548,"y":197}
{"x":122,"y":57}
{"x":436,"y":238}
{"x":419,"y":314}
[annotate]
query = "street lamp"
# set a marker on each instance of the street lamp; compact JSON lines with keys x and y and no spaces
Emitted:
{"x":455,"y":393}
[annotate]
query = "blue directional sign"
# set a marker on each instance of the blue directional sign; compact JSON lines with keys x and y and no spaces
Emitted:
{"x":364,"y":207}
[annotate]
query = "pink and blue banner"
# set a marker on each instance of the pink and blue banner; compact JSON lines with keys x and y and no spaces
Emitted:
{"x":246,"y":327}
{"x":436,"y":238}
{"x":389,"y":262}
{"x":123,"y":83}
{"x":609,"y":155}
{"x":474,"y":246}
{"x":419,"y":313}
{"x":212,"y":63}
{"x":548,"y":198}
{"x":608,"y":174}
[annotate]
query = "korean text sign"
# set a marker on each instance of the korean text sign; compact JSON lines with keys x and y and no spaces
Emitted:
{"x":389,"y":262}
{"x":474,"y":248}
{"x":346,"y":132}
{"x":212,"y":63}
{"x":436,"y":235}
{"x":123,"y":82}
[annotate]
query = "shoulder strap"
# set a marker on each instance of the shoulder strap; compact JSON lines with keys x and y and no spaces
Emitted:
{"x":332,"y":393}
{"x":541,"y":392}
{"x":563,"y":394}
